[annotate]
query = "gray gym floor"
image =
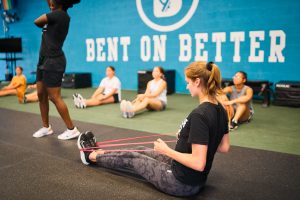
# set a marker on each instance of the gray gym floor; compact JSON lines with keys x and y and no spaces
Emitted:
{"x":48,"y":168}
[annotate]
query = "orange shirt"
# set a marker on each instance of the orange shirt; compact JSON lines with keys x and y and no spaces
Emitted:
{"x":21,"y":81}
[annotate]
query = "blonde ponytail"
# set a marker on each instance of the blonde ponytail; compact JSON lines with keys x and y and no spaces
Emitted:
{"x":208,"y":73}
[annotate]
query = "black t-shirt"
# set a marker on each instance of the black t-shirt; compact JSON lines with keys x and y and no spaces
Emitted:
{"x":205,"y":125}
{"x":54,"y":35}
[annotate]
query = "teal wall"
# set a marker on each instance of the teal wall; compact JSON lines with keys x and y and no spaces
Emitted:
{"x":218,"y":20}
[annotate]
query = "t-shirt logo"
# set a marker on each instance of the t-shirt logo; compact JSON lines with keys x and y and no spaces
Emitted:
{"x":183,"y":123}
{"x":45,"y":27}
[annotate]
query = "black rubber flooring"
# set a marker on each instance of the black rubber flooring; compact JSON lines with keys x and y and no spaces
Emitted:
{"x":48,"y":168}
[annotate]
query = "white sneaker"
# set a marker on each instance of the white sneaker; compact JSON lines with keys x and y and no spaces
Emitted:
{"x":81,"y":101}
{"x":69,"y":134}
{"x":123,"y":108}
{"x":76,"y":100}
{"x":129,"y":109}
{"x":43,"y":132}
{"x":82,"y":104}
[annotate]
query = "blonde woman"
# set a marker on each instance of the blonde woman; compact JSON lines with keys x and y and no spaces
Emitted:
{"x":182,"y":171}
{"x":154,"y":98}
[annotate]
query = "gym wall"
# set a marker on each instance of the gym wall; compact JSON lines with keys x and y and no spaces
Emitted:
{"x":259,"y":37}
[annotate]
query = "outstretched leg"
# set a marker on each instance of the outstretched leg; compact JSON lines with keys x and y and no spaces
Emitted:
{"x":154,"y":171}
{"x":147,"y":164}
{"x":99,"y":101}
{"x":148,"y":103}
{"x":8,"y":92}
{"x":32,"y":97}
{"x":242,"y":113}
{"x":153,"y":154}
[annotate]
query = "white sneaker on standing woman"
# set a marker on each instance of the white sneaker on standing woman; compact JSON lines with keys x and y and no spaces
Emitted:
{"x":69,"y":134}
{"x":43,"y":132}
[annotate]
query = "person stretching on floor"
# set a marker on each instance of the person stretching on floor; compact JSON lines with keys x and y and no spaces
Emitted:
{"x":109,"y":91}
{"x":17,"y":86}
{"x":154,"y":98}
{"x":240,"y":99}
{"x":183,"y":171}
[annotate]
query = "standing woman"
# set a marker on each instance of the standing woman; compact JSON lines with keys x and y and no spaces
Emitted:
{"x":51,"y":66}
{"x":182,"y":171}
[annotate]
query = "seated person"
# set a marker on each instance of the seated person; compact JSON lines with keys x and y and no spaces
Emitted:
{"x":240,"y":99}
{"x":32,"y":96}
{"x":17,"y":86}
{"x":154,"y":98}
{"x":182,"y":171}
{"x":109,"y":91}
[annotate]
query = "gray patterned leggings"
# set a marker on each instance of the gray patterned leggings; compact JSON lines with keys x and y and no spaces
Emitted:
{"x":154,"y":167}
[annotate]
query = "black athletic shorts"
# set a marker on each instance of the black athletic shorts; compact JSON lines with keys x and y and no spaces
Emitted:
{"x":116,"y":98}
{"x":49,"y":78}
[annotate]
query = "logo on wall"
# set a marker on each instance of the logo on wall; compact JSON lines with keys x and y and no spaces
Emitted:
{"x":166,"y":9}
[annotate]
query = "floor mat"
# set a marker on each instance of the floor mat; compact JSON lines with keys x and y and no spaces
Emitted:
{"x":48,"y":168}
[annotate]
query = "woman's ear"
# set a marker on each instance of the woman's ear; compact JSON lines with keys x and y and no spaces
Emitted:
{"x":197,"y":82}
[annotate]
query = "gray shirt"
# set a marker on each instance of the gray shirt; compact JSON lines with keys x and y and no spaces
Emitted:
{"x":235,"y":94}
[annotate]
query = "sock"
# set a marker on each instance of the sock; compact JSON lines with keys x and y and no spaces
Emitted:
{"x":71,"y":129}
{"x":87,"y":155}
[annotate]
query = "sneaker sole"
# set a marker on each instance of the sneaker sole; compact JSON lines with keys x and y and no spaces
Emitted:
{"x":75,"y":100}
{"x":82,"y":156}
{"x":80,"y":100}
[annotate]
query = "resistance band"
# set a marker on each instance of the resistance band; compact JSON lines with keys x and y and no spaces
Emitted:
{"x":90,"y":149}
{"x":108,"y":143}
{"x":125,"y":144}
{"x":132,"y":143}
{"x":119,"y":150}
{"x":124,"y":139}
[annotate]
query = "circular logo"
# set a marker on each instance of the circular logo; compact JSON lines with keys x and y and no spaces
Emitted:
{"x":166,"y":28}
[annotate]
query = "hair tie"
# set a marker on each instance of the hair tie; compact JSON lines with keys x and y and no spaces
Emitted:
{"x":209,"y":66}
